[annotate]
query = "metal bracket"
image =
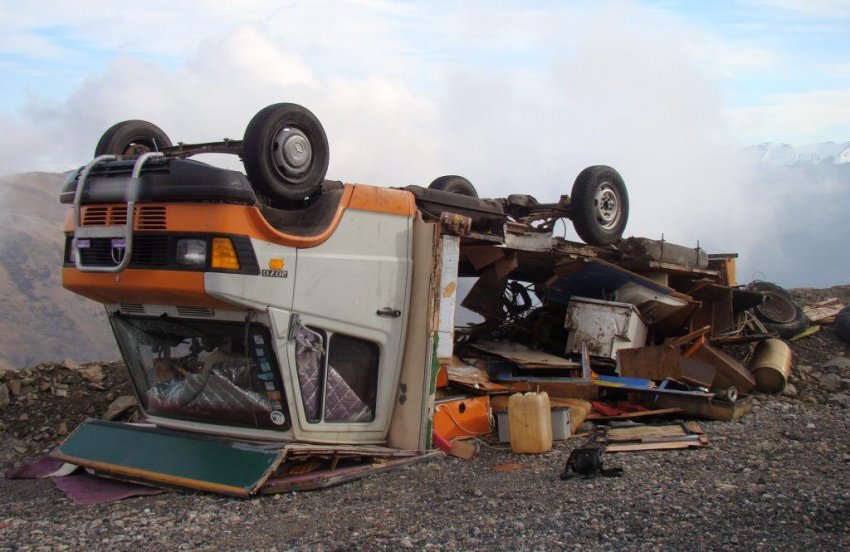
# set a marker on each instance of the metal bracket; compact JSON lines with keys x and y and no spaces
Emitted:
{"x":121,"y":233}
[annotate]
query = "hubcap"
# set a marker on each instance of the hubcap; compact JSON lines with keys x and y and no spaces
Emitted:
{"x":606,"y":206}
{"x":291,"y":152}
{"x":777,"y":308}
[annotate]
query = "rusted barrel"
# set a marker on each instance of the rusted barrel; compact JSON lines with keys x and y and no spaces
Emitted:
{"x":771,"y":365}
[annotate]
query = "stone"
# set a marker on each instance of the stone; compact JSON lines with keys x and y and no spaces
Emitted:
{"x":845,"y":384}
{"x":70,"y":364}
{"x":836,"y":365}
{"x":119,"y":406}
{"x":91,"y":372}
{"x":4,"y":396}
{"x":790,"y":390}
{"x":831,"y":382}
{"x":839,"y":399}
{"x":805,"y":368}
{"x":14,"y":387}
{"x":406,"y":542}
{"x":23,"y":417}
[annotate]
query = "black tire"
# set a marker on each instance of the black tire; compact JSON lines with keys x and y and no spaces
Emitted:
{"x":779,"y":312}
{"x":599,"y":205}
{"x":273,"y":152}
{"x":842,"y":324}
{"x":132,"y":137}
{"x":455,"y":184}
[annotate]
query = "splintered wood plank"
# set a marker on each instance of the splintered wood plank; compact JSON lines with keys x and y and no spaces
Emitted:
{"x":823,"y":311}
{"x":640,"y":414}
{"x":524,"y":357}
{"x":631,"y":447}
{"x":640,"y":432}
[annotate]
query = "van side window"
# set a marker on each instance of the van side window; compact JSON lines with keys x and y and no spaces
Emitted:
{"x":339,"y":383}
{"x":352,"y":380}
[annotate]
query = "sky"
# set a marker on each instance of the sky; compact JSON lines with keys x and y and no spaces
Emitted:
{"x":516,"y":96}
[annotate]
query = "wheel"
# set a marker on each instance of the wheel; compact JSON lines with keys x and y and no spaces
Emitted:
{"x":599,"y":205}
{"x":455,"y":184}
{"x":132,"y":137}
{"x":779,"y":312}
{"x":285,"y":152}
{"x":842,"y":324}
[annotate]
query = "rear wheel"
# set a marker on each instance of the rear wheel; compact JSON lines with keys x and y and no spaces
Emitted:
{"x":133,"y":137}
{"x":285,"y":152}
{"x":455,"y":184}
{"x":599,"y":205}
{"x":779,"y":312}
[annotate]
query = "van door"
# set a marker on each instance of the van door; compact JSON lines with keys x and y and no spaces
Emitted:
{"x":347,"y":326}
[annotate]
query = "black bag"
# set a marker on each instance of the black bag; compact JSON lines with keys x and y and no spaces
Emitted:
{"x":588,"y":462}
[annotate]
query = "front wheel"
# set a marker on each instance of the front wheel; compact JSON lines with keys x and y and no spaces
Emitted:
{"x":285,"y":152}
{"x":599,"y":205}
{"x":132,"y":137}
{"x":455,"y":184}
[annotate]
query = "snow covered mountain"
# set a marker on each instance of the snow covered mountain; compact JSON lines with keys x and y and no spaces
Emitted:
{"x":787,"y":154}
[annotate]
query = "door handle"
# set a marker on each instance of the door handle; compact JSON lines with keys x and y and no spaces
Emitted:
{"x":388,"y":311}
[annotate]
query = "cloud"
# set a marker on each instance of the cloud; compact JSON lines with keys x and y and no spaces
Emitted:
{"x":813,"y":8}
{"x":515,"y":98}
{"x":796,"y":118}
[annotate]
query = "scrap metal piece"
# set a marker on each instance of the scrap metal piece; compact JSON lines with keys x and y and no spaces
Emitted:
{"x":167,"y":458}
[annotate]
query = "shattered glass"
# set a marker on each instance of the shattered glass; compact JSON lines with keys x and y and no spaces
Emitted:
{"x":219,"y":372}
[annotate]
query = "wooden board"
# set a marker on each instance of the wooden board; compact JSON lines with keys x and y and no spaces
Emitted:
{"x":641,"y":432}
{"x":524,"y":357}
{"x":631,"y":447}
{"x":655,"y":363}
{"x":640,"y":414}
{"x":712,"y":410}
{"x":824,"y":311}
{"x":169,"y":458}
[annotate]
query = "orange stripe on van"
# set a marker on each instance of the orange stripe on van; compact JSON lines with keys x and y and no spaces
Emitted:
{"x":158,"y":287}
{"x":249,"y":221}
{"x":382,"y":200}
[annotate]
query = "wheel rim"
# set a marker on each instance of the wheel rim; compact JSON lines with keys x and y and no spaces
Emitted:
{"x":776,"y":308}
{"x":292,"y":152}
{"x":606,"y":206}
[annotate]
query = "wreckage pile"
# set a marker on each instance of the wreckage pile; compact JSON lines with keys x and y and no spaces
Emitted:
{"x":635,"y":332}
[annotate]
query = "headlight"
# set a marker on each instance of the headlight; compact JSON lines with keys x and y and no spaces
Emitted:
{"x":191,"y":252}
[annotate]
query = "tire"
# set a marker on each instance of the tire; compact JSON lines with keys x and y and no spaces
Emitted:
{"x":779,"y":312}
{"x":842,"y":324}
{"x":285,"y":153}
{"x":132,"y":137}
{"x":455,"y":184}
{"x":599,"y":205}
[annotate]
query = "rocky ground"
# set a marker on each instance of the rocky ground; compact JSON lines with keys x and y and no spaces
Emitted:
{"x":777,"y":479}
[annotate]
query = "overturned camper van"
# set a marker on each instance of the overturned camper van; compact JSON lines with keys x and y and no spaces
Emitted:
{"x":283,"y":316}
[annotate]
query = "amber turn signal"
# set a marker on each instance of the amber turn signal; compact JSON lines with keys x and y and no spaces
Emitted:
{"x":223,"y":254}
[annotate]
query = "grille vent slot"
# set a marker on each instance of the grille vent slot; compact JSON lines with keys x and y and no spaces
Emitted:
{"x":159,"y":310}
{"x":148,"y":217}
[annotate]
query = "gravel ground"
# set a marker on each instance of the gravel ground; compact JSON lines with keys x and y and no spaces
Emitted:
{"x":777,"y":479}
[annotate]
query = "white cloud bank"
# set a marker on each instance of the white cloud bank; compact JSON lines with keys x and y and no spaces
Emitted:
{"x":515,"y":99}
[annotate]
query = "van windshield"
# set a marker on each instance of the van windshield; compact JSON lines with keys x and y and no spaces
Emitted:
{"x":218,"y":372}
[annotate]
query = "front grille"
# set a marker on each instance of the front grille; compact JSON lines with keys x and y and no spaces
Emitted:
{"x":148,"y":251}
{"x":156,"y":251}
{"x":147,"y":217}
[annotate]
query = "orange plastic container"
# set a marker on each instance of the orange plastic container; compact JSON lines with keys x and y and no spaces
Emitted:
{"x":466,"y":416}
{"x":530,"y":422}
